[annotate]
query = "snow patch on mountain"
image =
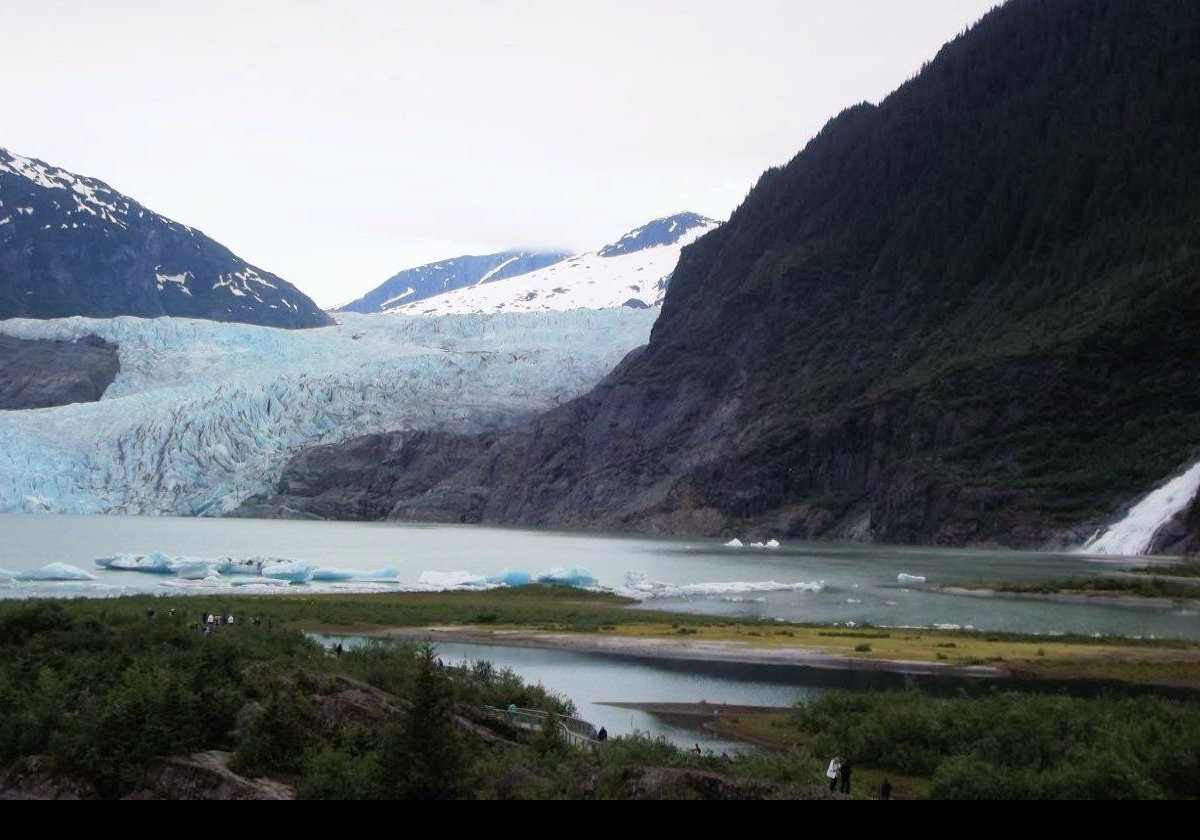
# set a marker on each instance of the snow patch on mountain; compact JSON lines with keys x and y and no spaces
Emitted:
{"x":632,"y":272}
{"x":203,"y":415}
{"x":425,"y":281}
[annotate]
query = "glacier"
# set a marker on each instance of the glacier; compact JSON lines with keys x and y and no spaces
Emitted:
{"x":204,"y":415}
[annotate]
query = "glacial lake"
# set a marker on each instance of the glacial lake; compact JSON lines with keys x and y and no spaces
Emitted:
{"x":799,"y":581}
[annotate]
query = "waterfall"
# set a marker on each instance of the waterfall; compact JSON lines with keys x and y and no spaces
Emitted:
{"x":1132,"y":534}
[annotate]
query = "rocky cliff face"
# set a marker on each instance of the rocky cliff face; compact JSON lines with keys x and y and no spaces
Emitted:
{"x":39,"y":374}
{"x":72,"y":245}
{"x":969,"y":314}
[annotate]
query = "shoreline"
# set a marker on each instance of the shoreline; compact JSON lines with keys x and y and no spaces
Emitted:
{"x":1106,"y":599}
{"x":678,"y":650}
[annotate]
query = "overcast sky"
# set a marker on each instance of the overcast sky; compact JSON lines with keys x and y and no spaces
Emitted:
{"x":336,"y":143}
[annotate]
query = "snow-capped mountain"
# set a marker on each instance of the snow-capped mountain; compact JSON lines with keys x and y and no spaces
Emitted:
{"x":71,"y":245}
{"x":425,"y":281}
{"x":203,"y":415}
{"x":633,"y":271}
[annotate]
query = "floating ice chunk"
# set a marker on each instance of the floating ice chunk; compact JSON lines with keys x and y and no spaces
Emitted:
{"x":853,"y":600}
{"x":293,"y":571}
{"x":512,"y":577}
{"x":322,"y":574}
{"x":195,"y":570}
{"x":772,"y":543}
{"x":758,"y":545}
{"x":637,"y":586}
{"x":229,"y":566}
{"x":904,"y":577}
{"x":155,"y":563}
{"x":452,"y":580}
{"x":734,"y":543}
{"x":574,"y":576}
{"x":56,"y":571}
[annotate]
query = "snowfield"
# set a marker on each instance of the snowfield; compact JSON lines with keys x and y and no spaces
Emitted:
{"x":204,"y":414}
{"x":606,"y":278}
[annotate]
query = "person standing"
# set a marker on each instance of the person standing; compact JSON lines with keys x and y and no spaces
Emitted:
{"x":885,"y":790}
{"x":835,"y":765}
{"x":846,"y":769}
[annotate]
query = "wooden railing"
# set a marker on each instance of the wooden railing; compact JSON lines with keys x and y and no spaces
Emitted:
{"x":573,"y":730}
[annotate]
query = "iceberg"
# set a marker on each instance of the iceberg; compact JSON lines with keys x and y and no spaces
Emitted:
{"x":638,"y":586}
{"x":195,"y":570}
{"x":574,"y":576}
{"x":734,"y":543}
{"x":155,"y":563}
{"x":512,"y":577}
{"x":452,"y":580}
{"x":292,"y":571}
{"x":56,"y":571}
{"x":385,"y":574}
{"x":904,"y":577}
{"x":772,"y":543}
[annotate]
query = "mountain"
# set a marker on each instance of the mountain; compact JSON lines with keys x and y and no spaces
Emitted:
{"x":71,"y":245}
{"x":969,"y":314}
{"x":432,"y":279}
{"x":633,"y":271}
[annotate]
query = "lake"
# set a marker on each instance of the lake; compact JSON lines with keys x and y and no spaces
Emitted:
{"x":800,"y":581}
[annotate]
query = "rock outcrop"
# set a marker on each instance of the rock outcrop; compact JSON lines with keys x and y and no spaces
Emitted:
{"x":40,"y":374}
{"x":204,"y":775}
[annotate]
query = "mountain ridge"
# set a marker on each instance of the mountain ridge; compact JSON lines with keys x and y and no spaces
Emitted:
{"x":965,"y":315}
{"x":73,"y":245}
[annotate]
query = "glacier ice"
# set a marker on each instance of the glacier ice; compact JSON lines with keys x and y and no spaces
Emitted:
{"x":638,"y":586}
{"x":512,"y":577}
{"x":203,"y":415}
{"x":385,"y":574}
{"x":56,"y":571}
{"x":293,"y":571}
{"x":574,"y":576}
{"x":452,"y":580}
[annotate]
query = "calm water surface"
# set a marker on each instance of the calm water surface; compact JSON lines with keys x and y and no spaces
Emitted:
{"x":859,"y":581}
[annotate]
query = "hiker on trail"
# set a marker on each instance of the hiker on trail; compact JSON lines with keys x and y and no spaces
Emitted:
{"x":885,"y":790}
{"x":602,"y":735}
{"x":229,"y":619}
{"x":150,"y":613}
{"x":696,"y":750}
{"x":337,"y":651}
{"x":512,"y":708}
{"x":831,"y":773}
{"x":209,"y":619}
{"x":207,"y":630}
{"x":845,"y":774}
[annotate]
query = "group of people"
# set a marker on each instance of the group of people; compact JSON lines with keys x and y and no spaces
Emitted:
{"x":839,"y":774}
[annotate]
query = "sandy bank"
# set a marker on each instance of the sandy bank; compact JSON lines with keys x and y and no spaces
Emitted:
{"x":684,"y":650}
